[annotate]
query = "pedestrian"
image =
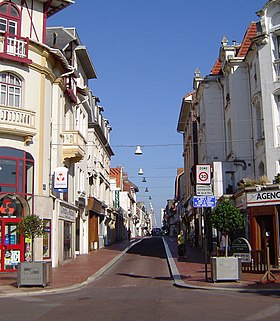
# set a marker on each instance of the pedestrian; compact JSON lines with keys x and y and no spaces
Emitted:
{"x":129,"y":234}
{"x":223,"y":244}
{"x":192,"y":236}
{"x":181,"y":245}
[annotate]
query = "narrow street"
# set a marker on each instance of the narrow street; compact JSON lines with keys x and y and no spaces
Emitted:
{"x":139,"y":287}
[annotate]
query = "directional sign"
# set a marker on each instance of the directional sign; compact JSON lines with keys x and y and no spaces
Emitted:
{"x":204,"y":201}
{"x":203,"y":174}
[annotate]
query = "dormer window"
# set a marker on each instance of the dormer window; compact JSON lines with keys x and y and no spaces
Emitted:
{"x":9,"y":18}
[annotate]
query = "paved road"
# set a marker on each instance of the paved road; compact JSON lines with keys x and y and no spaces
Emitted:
{"x":139,"y":287}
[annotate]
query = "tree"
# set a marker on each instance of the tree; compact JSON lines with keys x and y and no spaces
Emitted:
{"x":31,"y":226}
{"x":226,"y":218}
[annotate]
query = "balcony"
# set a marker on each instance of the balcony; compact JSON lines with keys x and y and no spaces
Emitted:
{"x":19,"y":122}
{"x":14,"y":48}
{"x":73,"y":145}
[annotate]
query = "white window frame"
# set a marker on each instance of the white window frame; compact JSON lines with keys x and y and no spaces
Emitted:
{"x":11,"y":90}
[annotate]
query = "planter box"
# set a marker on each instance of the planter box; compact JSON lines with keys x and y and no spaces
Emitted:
{"x":34,"y":273}
{"x":226,"y":268}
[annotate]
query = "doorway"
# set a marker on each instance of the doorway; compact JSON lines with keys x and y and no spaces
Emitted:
{"x":265,"y":235}
{"x":11,"y":245}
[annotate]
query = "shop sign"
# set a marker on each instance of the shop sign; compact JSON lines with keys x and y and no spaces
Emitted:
{"x":241,"y":248}
{"x":61,"y":180}
{"x":67,"y":213}
{"x":269,"y":197}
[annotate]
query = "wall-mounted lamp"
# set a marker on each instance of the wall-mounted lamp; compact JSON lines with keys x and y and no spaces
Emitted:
{"x":150,"y":197}
{"x":138,"y":150}
{"x":146,"y":190}
{"x":140,"y":172}
{"x":144,"y":180}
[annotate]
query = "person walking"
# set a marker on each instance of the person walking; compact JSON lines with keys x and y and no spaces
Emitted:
{"x":129,"y":234}
{"x":181,"y":245}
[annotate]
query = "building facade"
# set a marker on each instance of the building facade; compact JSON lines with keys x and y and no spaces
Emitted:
{"x":54,"y":141}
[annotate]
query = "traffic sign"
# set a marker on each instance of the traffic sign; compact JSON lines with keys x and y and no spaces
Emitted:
{"x":204,"y":190}
{"x":204,"y":201}
{"x":203,"y":174}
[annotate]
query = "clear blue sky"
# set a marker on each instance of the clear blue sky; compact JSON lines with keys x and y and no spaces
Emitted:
{"x":145,"y":53}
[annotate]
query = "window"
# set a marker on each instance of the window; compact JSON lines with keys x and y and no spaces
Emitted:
{"x":10,"y":94}
{"x":16,"y":173}
{"x":47,"y":239}
{"x":259,"y":125}
{"x":9,"y":18}
{"x":261,"y":169}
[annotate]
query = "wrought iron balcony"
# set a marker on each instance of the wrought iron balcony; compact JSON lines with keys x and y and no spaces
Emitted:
{"x":14,"y":48}
{"x":73,"y":145}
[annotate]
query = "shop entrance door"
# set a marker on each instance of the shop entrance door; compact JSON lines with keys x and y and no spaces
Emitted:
{"x":11,"y":245}
{"x":266,"y":235}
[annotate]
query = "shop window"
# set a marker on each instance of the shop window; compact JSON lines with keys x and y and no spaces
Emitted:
{"x":11,"y":87}
{"x":67,"y":240}
{"x":47,"y":239}
{"x":17,"y":173}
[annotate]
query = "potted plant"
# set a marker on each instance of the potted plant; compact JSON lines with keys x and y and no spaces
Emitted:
{"x":31,"y":226}
{"x":226,"y":218}
{"x":33,"y":272}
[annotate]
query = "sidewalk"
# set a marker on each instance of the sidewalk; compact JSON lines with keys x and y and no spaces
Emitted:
{"x":192,"y":272}
{"x":84,"y":269}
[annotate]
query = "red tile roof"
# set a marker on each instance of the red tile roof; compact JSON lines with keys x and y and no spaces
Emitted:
{"x":246,"y":42}
{"x":217,"y":68}
{"x":116,"y":173}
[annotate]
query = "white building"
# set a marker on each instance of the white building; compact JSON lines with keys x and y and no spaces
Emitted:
{"x":238,"y":117}
{"x":54,"y":141}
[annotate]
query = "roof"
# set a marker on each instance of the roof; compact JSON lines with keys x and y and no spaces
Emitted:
{"x":217,"y":68}
{"x":60,"y":38}
{"x":246,"y":42}
{"x":116,"y":173}
{"x":55,"y":6}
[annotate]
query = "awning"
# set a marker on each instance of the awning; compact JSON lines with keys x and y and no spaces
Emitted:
{"x":94,"y":205}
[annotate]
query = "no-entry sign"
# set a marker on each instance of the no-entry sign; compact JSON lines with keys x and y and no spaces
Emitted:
{"x":203,"y":174}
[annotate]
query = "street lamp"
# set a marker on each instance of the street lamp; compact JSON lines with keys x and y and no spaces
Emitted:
{"x":138,"y":150}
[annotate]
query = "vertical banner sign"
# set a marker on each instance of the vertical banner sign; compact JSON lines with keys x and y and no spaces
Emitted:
{"x":203,"y":174}
{"x":61,"y":180}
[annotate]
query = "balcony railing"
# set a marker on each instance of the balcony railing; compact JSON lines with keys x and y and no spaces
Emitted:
{"x":17,"y":121}
{"x":73,"y":145}
{"x":14,"y":48}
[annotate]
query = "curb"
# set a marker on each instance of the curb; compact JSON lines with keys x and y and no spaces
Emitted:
{"x":178,"y":282}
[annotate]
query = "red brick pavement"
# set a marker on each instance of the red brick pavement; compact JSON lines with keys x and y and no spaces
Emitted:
{"x":193,"y":271}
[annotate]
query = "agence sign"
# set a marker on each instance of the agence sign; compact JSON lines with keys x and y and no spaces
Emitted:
{"x":270,"y":197}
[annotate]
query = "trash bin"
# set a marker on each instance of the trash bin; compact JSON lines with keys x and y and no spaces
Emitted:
{"x":37,"y":273}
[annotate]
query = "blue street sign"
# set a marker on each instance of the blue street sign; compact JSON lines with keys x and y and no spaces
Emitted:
{"x":204,"y":201}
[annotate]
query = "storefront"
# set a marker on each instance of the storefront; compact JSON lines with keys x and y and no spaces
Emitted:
{"x":96,"y":216}
{"x":262,"y":205}
{"x":16,"y":201}
{"x":67,"y":219}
